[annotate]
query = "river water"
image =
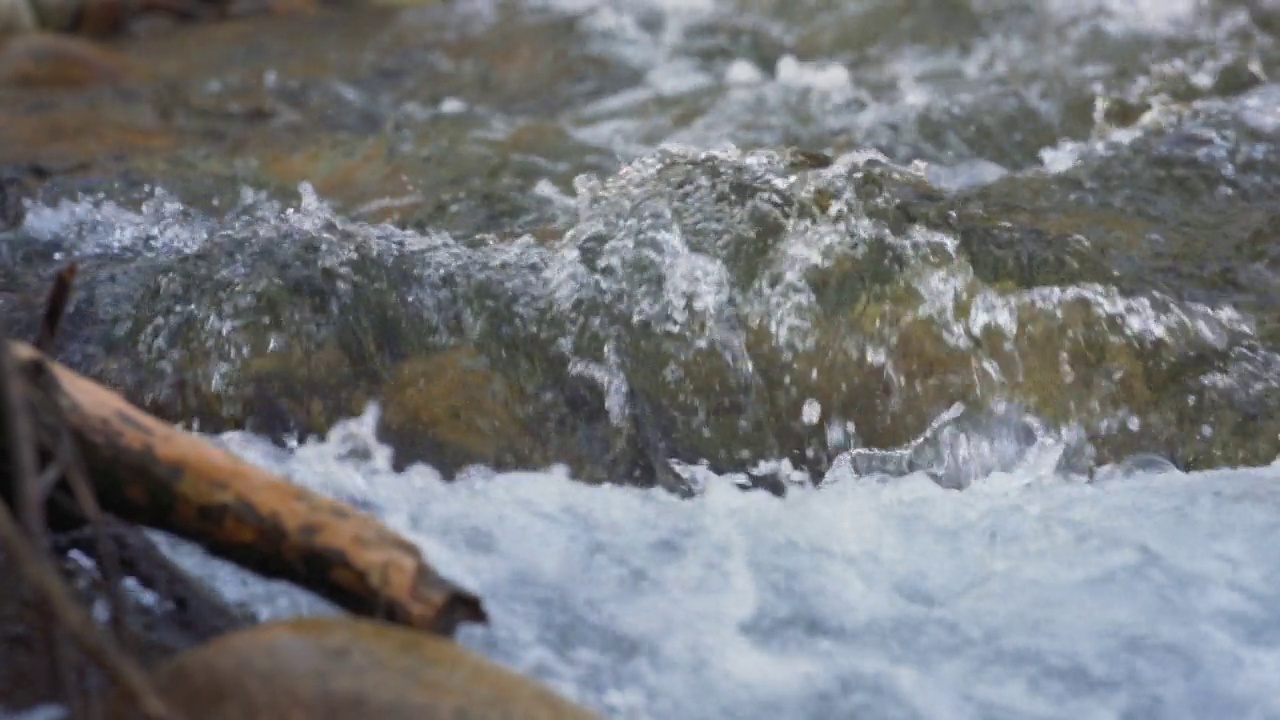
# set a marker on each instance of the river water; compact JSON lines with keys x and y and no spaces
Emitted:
{"x":750,"y":358}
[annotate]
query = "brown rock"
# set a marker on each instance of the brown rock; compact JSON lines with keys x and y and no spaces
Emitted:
{"x":51,"y":60}
{"x":71,"y":137}
{"x":331,"y":668}
{"x":365,"y":176}
{"x":458,"y":409}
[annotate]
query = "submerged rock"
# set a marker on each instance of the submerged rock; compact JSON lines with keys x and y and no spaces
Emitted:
{"x":457,"y":411}
{"x":50,"y":60}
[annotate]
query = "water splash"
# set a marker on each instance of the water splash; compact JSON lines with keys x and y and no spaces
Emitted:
{"x":1034,"y":593}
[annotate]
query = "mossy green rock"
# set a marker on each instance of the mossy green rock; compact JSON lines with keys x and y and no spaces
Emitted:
{"x":735,"y":291}
{"x":705,"y":307}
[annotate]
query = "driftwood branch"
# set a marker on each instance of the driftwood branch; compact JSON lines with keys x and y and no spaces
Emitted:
{"x":148,"y":472}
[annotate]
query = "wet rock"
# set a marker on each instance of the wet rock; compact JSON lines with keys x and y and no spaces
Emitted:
{"x":367,"y":177}
{"x":347,"y":668}
{"x":62,"y":133}
{"x":457,"y":412}
{"x":283,"y":321}
{"x":312,"y":319}
{"x":761,"y":311}
{"x":718,"y":377}
{"x":1029,"y":256}
{"x":534,"y":65}
{"x":1159,"y":220}
{"x":1235,"y":78}
{"x":480,"y":185}
{"x":457,"y":176}
{"x":714,"y":307}
{"x":51,"y":60}
{"x":298,"y":390}
{"x":370,"y":117}
{"x":706,"y":307}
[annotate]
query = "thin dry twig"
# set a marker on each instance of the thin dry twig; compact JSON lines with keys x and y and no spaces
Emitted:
{"x":50,"y":476}
{"x":29,"y":502}
{"x":66,"y":462}
{"x":55,"y":307}
{"x":82,"y":490}
{"x":35,"y":565}
{"x":22,"y":447}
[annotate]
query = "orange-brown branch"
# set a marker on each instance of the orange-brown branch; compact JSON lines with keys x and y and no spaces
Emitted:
{"x":148,"y":472}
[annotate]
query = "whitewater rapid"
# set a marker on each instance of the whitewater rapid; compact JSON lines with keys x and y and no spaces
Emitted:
{"x":1142,"y":593}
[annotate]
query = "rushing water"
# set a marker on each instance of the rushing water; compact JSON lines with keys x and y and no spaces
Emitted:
{"x":983,"y":293}
{"x":1146,"y":594}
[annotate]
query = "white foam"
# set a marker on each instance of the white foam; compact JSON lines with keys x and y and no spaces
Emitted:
{"x":1027,"y":595}
{"x":163,"y":225}
{"x":964,"y":175}
{"x":453,"y":106}
{"x":824,"y":76}
{"x":1260,"y":109}
{"x":1148,"y":16}
{"x":743,"y":72}
{"x":811,"y":413}
{"x":678,"y":77}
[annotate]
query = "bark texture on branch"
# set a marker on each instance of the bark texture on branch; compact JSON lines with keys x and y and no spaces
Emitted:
{"x":148,"y":472}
